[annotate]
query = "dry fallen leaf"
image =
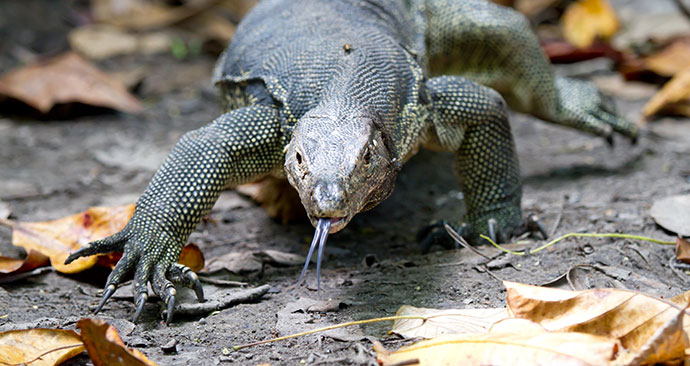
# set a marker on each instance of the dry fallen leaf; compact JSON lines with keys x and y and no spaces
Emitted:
{"x":101,"y":41}
{"x":671,"y":60}
{"x":510,"y":342}
{"x":631,"y":317}
{"x":442,"y":322}
{"x":673,"y":212}
{"x":252,"y":261}
{"x":682,"y":250}
{"x":39,"y":347}
{"x":673,"y":98}
{"x":587,"y":20}
{"x":67,"y":78}
{"x":58,"y":238}
{"x":192,"y":257}
{"x":145,"y":15}
{"x":105,"y":347}
{"x":277,"y":197}
{"x":34,"y":259}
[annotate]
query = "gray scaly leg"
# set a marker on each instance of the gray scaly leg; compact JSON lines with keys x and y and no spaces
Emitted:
{"x":494,"y":46}
{"x":472,"y":121}
{"x":237,"y":147}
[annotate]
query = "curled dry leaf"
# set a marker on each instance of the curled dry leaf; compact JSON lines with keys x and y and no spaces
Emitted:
{"x":631,"y":317}
{"x":673,"y":98}
{"x":58,"y":238}
{"x":277,"y":197}
{"x":145,"y":15}
{"x":682,"y":249}
{"x":192,"y":257}
{"x":672,"y":59}
{"x":252,"y":261}
{"x":442,"y":322}
{"x":673,"y":212}
{"x":34,"y":259}
{"x":105,"y":347}
{"x":510,"y":342}
{"x":39,"y":347}
{"x":67,"y":78}
{"x":587,"y":20}
{"x":101,"y":41}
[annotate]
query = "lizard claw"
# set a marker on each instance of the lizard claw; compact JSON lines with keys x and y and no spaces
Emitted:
{"x":170,"y":300}
{"x":140,"y":301}
{"x":533,"y":224}
{"x":109,"y":291}
{"x":196,"y":285}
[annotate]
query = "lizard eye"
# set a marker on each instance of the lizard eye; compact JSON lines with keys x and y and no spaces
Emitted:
{"x":298,"y":156}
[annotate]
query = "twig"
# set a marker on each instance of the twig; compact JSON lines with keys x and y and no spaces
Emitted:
{"x":683,"y":8}
{"x":460,"y":240}
{"x":42,"y":354}
{"x":336,"y":326}
{"x":558,"y":220}
{"x":243,"y":296}
{"x":580,"y":235}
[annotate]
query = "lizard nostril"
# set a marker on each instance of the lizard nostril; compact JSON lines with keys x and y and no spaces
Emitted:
{"x":298,"y":157}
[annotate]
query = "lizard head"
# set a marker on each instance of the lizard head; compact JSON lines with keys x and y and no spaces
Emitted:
{"x":341,"y":163}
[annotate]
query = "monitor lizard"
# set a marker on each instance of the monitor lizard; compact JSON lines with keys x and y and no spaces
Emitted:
{"x":336,"y":95}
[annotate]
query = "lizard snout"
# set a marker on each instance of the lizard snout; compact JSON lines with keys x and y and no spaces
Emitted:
{"x":329,"y":199}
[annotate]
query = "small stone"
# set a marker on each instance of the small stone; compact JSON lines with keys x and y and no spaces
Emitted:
{"x":170,"y":347}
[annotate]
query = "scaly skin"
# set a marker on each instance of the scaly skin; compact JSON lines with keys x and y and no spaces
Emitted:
{"x":335,"y":95}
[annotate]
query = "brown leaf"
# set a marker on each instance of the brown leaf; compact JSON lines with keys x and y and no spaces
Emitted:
{"x":192,"y":257}
{"x":34,"y":259}
{"x":101,"y":41}
{"x":587,"y":20}
{"x":252,"y":261}
{"x":67,"y":78}
{"x":631,"y":317}
{"x":442,"y":322}
{"x":145,"y":15}
{"x":673,"y":212}
{"x":58,"y":238}
{"x":673,"y":98}
{"x":682,"y":249}
{"x":672,"y":59}
{"x":105,"y":347}
{"x":39,"y":347}
{"x":559,"y":51}
{"x":511,"y":342}
{"x":277,"y":197}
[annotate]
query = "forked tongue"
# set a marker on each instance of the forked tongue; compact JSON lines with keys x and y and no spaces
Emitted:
{"x":320,"y":236}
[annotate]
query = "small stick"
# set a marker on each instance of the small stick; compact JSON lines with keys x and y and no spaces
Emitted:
{"x":580,"y":235}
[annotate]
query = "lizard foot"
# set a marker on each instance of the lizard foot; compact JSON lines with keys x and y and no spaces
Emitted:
{"x":152,"y":260}
{"x":584,"y":107}
{"x":435,"y":233}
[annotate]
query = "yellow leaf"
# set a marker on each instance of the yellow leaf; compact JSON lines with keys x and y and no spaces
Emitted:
{"x":673,"y":98}
{"x":629,"y":316}
{"x":105,"y":347}
{"x":586,"y":20}
{"x":33,"y":260}
{"x":39,"y":347}
{"x":441,"y":322}
{"x":513,"y":342}
{"x":58,"y":238}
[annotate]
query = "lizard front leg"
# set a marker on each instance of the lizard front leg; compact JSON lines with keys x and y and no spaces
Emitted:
{"x":472,"y":121}
{"x":236,"y":147}
{"x":495,"y":46}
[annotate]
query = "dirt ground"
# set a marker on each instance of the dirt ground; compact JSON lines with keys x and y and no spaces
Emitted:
{"x":574,"y":182}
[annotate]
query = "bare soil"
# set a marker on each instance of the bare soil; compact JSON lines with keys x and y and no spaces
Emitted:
{"x":574,"y":182}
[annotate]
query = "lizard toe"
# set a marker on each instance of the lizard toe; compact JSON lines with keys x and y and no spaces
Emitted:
{"x":183,"y":276}
{"x":113,"y":243}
